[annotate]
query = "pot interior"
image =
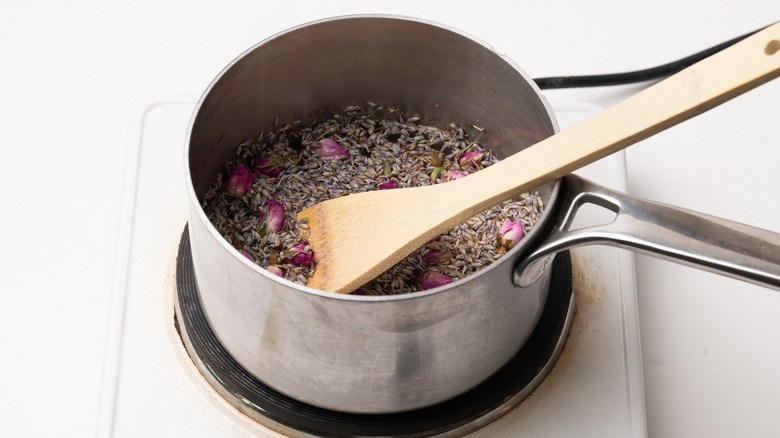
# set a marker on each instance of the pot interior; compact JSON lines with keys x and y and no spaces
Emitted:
{"x":416,"y":67}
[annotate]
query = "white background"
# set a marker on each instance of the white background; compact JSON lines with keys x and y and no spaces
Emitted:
{"x":75,"y":75}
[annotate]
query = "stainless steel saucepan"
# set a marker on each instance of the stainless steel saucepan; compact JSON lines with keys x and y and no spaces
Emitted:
{"x":370,"y":354}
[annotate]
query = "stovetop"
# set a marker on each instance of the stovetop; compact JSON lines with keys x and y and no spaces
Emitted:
{"x":154,"y":389}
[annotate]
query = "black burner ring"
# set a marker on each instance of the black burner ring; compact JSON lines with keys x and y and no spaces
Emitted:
{"x":280,"y":412}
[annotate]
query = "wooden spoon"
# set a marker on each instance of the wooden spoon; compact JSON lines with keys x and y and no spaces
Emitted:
{"x":359,"y":236}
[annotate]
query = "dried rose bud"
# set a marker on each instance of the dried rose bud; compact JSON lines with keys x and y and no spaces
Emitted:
{"x":438,"y":246}
{"x":302,"y":254}
{"x":273,"y":212}
{"x":471,"y":159}
{"x":330,"y":150}
{"x":240,"y":181}
{"x":430,"y":279}
{"x":435,"y":256}
{"x":359,"y":292}
{"x":510,"y":233}
{"x":452,"y":175}
{"x":276,"y":270}
{"x":270,"y":166}
{"x":247,"y":255}
{"x":389,"y":184}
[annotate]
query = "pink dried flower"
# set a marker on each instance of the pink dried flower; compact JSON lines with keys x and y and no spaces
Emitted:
{"x":302,"y":254}
{"x":240,"y":181}
{"x":330,"y":150}
{"x":274,"y":269}
{"x":471,"y":159}
{"x":435,"y":256}
{"x":270,"y":166}
{"x":389,"y":184}
{"x":510,"y":233}
{"x":359,"y":292}
{"x":452,"y":175}
{"x":247,"y":255}
{"x":430,"y":279}
{"x":273,"y":213}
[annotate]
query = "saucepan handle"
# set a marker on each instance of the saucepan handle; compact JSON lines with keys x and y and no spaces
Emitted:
{"x":668,"y":232}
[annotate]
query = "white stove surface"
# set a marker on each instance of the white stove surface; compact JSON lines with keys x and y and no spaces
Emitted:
{"x":76,"y":73}
{"x":152,"y":389}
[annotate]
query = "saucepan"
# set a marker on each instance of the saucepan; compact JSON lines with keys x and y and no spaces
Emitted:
{"x":383,"y":354}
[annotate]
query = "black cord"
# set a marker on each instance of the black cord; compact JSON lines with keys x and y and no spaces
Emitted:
{"x":634,"y":76}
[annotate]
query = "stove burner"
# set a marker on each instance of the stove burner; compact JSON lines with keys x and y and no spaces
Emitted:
{"x":456,"y":417}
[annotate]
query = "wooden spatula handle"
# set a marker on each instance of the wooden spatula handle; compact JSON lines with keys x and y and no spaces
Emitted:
{"x":692,"y":91}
